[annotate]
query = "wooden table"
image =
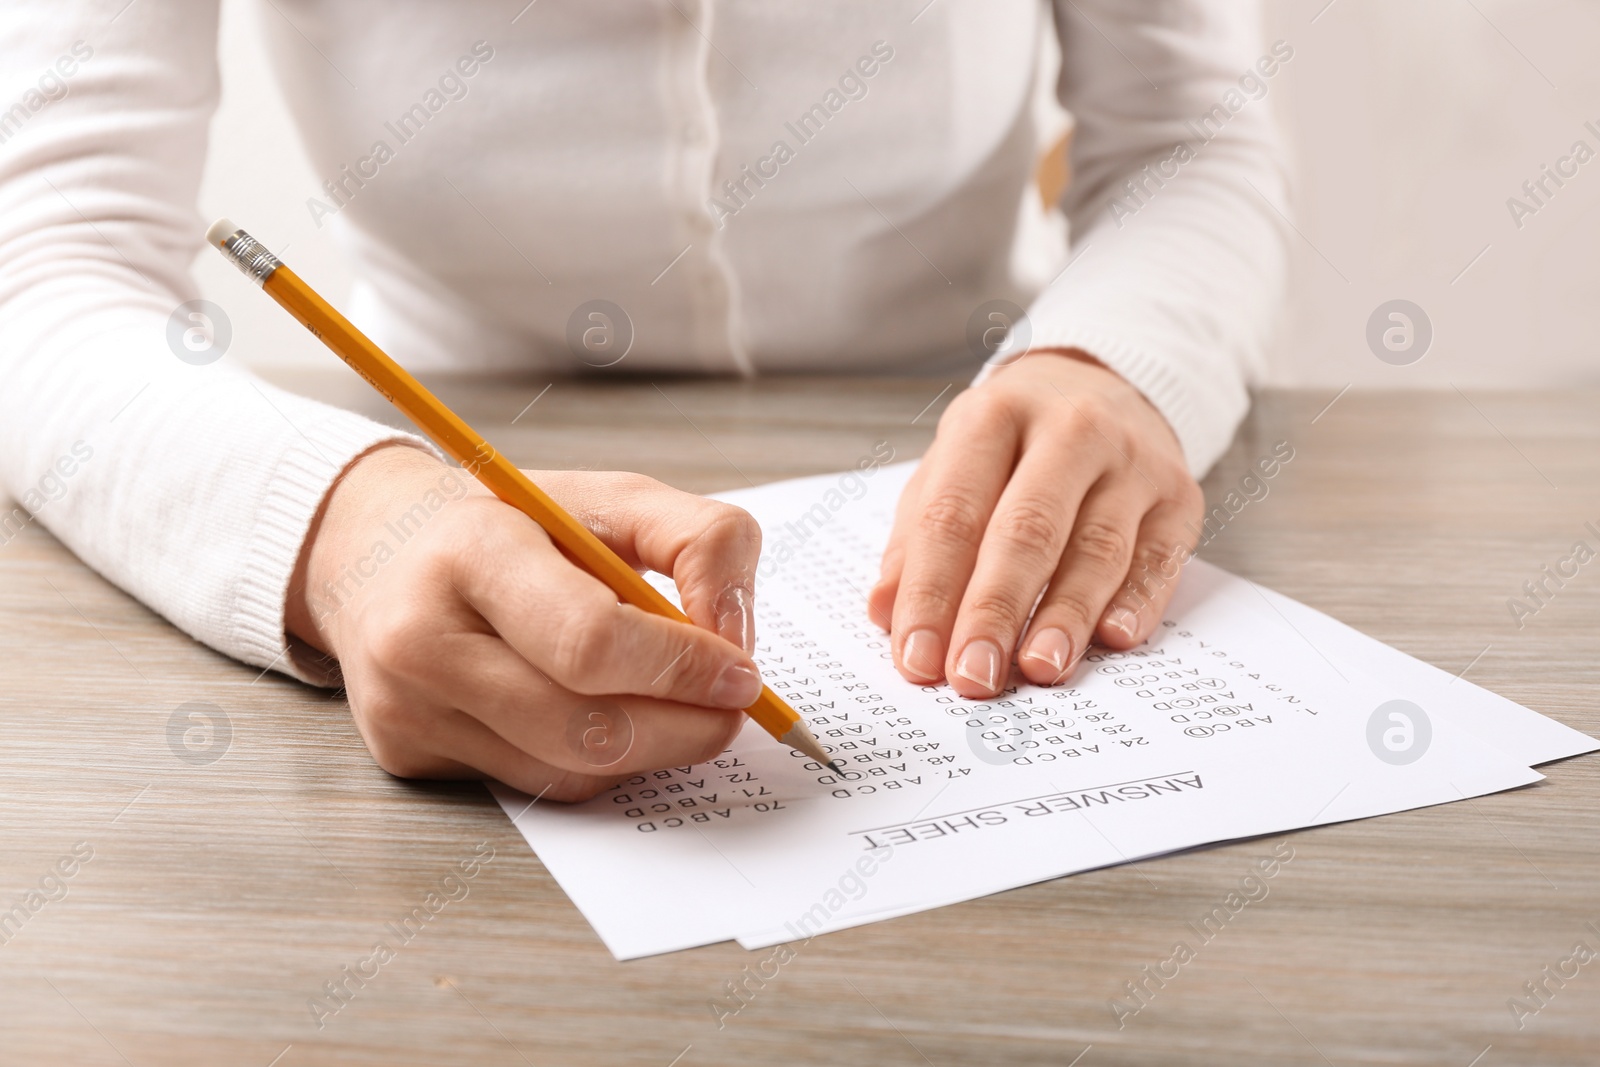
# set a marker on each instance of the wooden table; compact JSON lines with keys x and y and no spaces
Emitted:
{"x":222,"y":895}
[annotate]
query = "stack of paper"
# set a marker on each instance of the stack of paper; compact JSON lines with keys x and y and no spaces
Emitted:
{"x":1246,"y":713}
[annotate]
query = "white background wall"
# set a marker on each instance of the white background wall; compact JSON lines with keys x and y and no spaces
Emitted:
{"x":1412,"y":122}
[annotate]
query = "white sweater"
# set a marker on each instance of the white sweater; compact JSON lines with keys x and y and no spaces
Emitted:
{"x":828,"y":186}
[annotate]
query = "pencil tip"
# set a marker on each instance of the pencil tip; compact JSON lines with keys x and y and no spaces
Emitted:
{"x":801,"y":739}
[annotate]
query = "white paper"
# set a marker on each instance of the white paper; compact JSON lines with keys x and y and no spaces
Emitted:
{"x":1244,"y":714}
{"x":1521,"y":733}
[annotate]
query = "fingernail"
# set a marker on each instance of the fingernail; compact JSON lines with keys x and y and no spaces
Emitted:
{"x":1052,"y":647}
{"x":980,"y":663}
{"x":736,"y":617}
{"x":923,"y":654}
{"x":737,"y":687}
{"x":1123,"y":621}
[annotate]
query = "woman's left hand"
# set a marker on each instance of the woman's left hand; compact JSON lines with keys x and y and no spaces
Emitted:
{"x":1055,"y":476}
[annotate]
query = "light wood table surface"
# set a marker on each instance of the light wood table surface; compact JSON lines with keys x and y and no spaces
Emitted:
{"x":222,"y":895}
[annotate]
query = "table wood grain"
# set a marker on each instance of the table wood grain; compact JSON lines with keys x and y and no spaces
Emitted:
{"x":221,"y":896}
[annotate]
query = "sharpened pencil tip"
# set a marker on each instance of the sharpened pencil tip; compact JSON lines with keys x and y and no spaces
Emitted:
{"x":801,"y":739}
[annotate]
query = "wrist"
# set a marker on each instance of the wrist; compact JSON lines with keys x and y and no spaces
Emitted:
{"x":322,"y":582}
{"x":1078,"y":373}
{"x":1076,"y":354}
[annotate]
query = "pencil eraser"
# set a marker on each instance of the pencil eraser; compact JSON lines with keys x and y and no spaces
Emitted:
{"x":220,"y":231}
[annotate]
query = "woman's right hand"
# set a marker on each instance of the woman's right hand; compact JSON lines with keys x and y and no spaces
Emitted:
{"x":472,"y":647}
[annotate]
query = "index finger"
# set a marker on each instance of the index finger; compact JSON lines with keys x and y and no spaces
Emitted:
{"x":707,"y":547}
{"x":571,"y":626}
{"x":880,"y":599}
{"x":959,"y":493}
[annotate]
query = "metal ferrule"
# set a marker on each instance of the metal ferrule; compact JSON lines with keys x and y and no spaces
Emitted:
{"x":250,"y":256}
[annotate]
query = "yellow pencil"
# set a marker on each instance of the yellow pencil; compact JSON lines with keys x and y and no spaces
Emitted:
{"x":476,"y":455}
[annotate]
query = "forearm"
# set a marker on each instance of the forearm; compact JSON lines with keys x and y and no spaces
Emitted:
{"x":189,"y":486}
{"x":1178,"y":223}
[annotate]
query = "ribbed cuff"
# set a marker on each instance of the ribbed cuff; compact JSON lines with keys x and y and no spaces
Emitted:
{"x":327,"y":444}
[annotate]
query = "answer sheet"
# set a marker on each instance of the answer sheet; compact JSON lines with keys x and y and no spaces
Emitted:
{"x":1246,"y":713}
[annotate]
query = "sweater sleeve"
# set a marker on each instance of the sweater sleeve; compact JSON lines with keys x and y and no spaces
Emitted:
{"x":190,"y":486}
{"x":1175,"y":206}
